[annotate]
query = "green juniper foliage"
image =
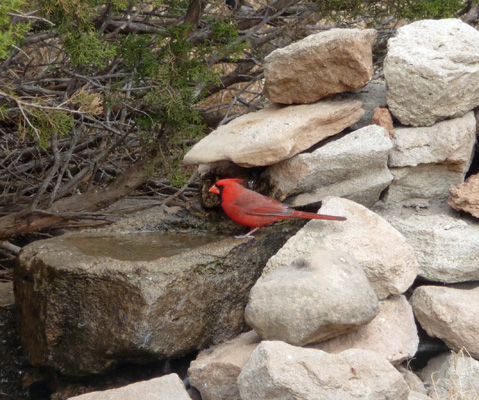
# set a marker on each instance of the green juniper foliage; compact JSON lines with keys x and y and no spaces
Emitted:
{"x":134,"y":66}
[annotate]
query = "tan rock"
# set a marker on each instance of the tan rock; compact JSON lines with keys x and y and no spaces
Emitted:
{"x":274,"y":133}
{"x":313,"y":299}
{"x":320,"y":65}
{"x":215,"y":371}
{"x":382,"y":117}
{"x":280,"y":371}
{"x":391,"y":334}
{"x":167,"y":387}
{"x":449,"y":314}
{"x":388,"y":260}
{"x":465,"y":196}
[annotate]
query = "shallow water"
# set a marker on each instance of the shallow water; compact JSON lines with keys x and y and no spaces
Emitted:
{"x":140,"y":246}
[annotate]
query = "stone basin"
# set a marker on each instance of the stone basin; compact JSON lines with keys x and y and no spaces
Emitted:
{"x":87,"y":302}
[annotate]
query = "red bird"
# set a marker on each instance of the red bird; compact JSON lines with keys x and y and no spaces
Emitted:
{"x":252,"y":209}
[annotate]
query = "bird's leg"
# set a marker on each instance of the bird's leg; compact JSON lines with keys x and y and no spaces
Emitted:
{"x":248,"y":235}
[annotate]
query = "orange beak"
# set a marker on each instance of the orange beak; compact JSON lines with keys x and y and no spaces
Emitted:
{"x":214,"y":189}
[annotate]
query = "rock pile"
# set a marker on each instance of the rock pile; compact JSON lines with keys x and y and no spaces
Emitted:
{"x":333,"y":311}
{"x":330,"y":307}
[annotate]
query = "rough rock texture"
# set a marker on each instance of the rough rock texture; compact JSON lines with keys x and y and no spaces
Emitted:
{"x":432,"y":71}
{"x":452,"y":376}
{"x":465,"y":196}
{"x":418,"y":396}
{"x":448,"y":142}
{"x":412,"y":380}
{"x":320,"y":65}
{"x":387,"y":259}
{"x":445,"y":247}
{"x":373,"y":95}
{"x":427,"y":161}
{"x":426,"y":182}
{"x":274,"y":133}
{"x":167,"y":387}
{"x":215,"y":371}
{"x":449,"y":314}
{"x":354,"y":166}
{"x":311,"y":300}
{"x":82,"y":311}
{"x":280,"y":371}
{"x":391,"y":334}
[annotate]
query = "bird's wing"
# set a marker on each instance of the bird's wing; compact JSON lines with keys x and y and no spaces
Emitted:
{"x":265,"y":206}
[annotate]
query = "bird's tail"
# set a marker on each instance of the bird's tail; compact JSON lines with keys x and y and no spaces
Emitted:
{"x":308,"y":215}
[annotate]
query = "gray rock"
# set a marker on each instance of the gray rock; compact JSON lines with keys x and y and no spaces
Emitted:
{"x":449,"y":142}
{"x":320,"y":65}
{"x":275,"y":133}
{"x":372,"y":96}
{"x":449,"y":314}
{"x":412,"y":380}
{"x":391,"y":334}
{"x":418,"y":396}
{"x":445,"y":246}
{"x":427,"y":161}
{"x":311,"y":300}
{"x":384,"y":254}
{"x":167,"y":387}
{"x":279,"y":371}
{"x":426,"y":182}
{"x":452,"y":376}
{"x":354,"y":166}
{"x":85,"y":305}
{"x":432,"y":71}
{"x":215,"y":371}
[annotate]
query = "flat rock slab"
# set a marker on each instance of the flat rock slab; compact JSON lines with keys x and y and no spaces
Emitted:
{"x":449,"y":314}
{"x":275,"y":133}
{"x":320,"y":65}
{"x":168,"y":387}
{"x":432,"y":71}
{"x":354,"y":167}
{"x":83,"y":309}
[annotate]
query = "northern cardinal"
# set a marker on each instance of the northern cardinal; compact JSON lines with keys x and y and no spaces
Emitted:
{"x":252,"y":209}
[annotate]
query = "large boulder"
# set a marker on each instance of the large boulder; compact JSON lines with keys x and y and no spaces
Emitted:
{"x":432,"y":71}
{"x":354,"y":167}
{"x":320,"y":65}
{"x":311,"y":300}
{"x":280,"y":371}
{"x":384,"y":254}
{"x":449,"y":314}
{"x":86,"y":304}
{"x":427,"y":161}
{"x":275,"y":133}
{"x":391,"y":334}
